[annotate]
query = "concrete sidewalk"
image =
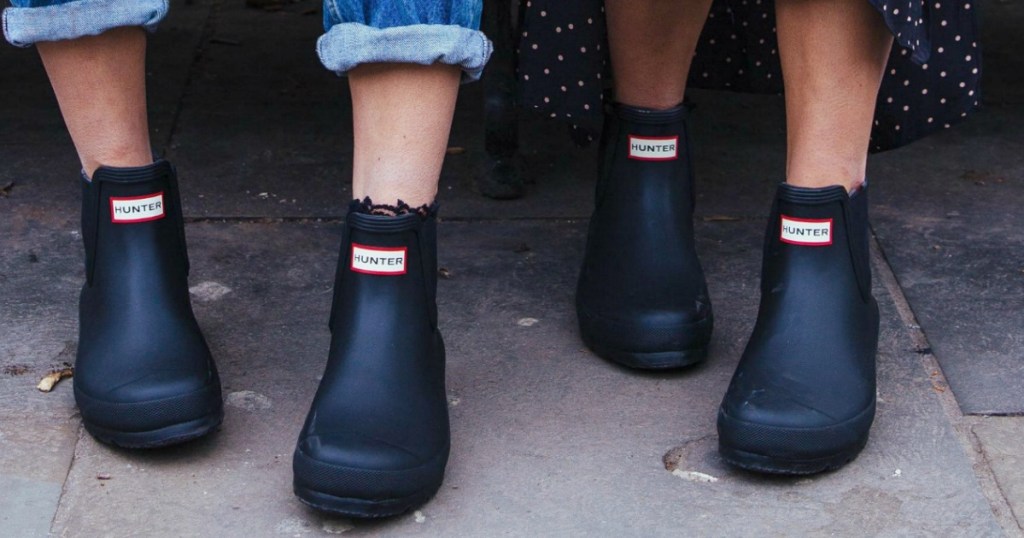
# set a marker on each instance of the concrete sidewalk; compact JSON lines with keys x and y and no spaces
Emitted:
{"x":548,"y":440}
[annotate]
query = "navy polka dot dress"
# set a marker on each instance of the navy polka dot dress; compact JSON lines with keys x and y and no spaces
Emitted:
{"x":931,"y":81}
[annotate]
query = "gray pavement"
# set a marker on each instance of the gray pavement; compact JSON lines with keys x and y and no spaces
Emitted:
{"x":547,"y":439}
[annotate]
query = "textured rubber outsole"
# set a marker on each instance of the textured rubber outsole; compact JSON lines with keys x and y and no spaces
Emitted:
{"x":314,"y":478}
{"x":169,"y":435}
{"x":792,"y":451}
{"x":659,"y":360}
{"x":362,"y":508}
{"x":646,"y":347}
{"x":769,"y":465}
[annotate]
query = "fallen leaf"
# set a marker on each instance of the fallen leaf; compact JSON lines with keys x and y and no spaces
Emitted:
{"x":51,"y":379}
{"x":456,"y":150}
{"x":444,"y":273}
{"x":5,"y":190}
{"x":694,"y":476}
{"x":527,"y":322}
{"x":103,"y":476}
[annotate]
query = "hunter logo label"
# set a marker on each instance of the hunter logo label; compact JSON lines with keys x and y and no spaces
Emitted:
{"x":378,"y":260}
{"x":807,"y":232}
{"x":132,"y":209}
{"x":653,"y":148}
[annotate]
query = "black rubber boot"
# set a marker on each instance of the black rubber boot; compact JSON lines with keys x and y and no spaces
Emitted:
{"x":143,"y":376}
{"x":376,"y":439}
{"x":642,"y":300}
{"x":803,"y":396}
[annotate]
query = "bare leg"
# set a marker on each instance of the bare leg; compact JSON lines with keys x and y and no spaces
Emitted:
{"x":402,"y":115}
{"x":833,"y":57}
{"x":100,"y":82}
{"x":651,"y":45}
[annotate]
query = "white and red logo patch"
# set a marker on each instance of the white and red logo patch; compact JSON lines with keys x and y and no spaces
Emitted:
{"x":378,"y":260}
{"x":806,"y":232}
{"x":133,"y":209}
{"x":653,"y":148}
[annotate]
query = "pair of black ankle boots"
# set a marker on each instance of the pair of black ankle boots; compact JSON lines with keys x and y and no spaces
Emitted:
{"x":375,"y":442}
{"x":802,"y":398}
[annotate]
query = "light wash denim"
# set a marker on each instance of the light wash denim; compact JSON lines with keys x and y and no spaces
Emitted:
{"x":358,"y":31}
{"x":31,"y":21}
{"x":408,"y":31}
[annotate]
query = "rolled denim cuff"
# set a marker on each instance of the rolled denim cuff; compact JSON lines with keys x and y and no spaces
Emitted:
{"x":25,"y":26}
{"x":349,"y":44}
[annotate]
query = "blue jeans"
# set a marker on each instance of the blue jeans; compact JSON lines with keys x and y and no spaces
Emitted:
{"x":357,"y":31}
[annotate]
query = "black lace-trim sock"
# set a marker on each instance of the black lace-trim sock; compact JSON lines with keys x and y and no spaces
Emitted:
{"x":367,"y":206}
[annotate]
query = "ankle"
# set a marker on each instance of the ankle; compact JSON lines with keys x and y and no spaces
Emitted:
{"x":115,"y":159}
{"x":851,"y":185}
{"x":815,"y":174}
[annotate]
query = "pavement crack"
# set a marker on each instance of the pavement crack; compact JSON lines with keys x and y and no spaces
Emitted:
{"x":205,"y":35}
{"x":983,"y":455}
{"x":67,"y":476}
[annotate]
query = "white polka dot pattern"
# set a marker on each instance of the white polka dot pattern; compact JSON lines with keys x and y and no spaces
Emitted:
{"x":931,"y":82}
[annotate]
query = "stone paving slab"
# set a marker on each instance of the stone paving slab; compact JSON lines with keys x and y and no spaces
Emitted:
{"x":548,"y":439}
{"x":952,"y":230}
{"x":948,"y":215}
{"x":39,"y":281}
{"x":1000,"y":439}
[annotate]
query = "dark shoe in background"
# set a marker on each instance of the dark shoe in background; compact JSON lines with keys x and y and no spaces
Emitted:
{"x":641,"y":299}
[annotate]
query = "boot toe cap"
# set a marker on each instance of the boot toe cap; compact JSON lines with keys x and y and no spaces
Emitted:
{"x":791,"y":437}
{"x":359,"y":467}
{"x":150,"y":402}
{"x":650,"y":333}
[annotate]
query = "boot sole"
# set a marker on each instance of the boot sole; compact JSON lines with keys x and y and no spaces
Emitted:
{"x":307,"y":470}
{"x":652,"y":358}
{"x":130,"y":424}
{"x":766,"y":464}
{"x":786,"y":439}
{"x":657,"y":360}
{"x":362,"y":508}
{"x":166,"y":436}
